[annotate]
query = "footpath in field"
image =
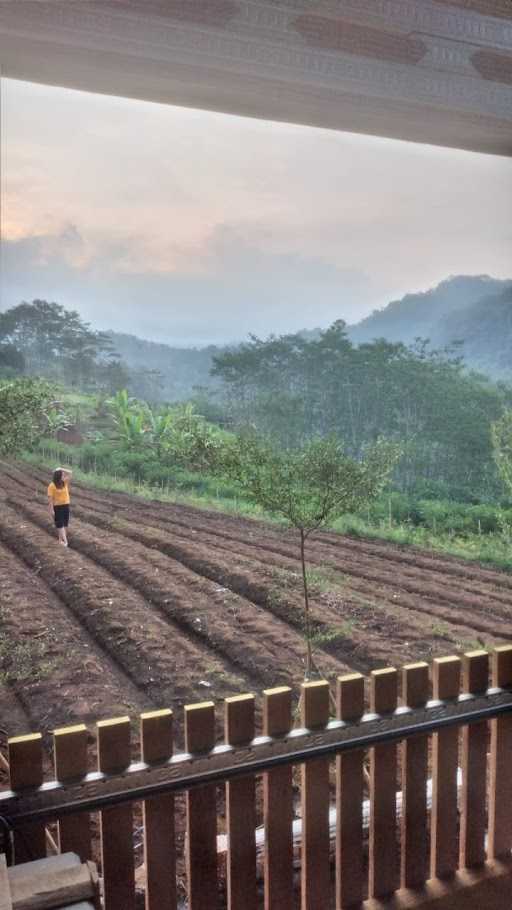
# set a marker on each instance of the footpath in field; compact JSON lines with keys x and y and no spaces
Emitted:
{"x":166,"y":604}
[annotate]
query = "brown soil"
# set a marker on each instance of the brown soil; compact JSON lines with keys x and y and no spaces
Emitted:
{"x":157,"y":605}
{"x":173,"y":604}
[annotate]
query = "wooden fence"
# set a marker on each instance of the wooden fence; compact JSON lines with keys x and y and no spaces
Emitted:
{"x":406,"y":805}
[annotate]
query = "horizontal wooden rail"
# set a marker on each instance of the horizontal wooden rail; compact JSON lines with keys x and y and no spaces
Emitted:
{"x":184,"y":771}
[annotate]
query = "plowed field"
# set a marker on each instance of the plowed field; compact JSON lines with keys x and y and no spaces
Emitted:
{"x":158,"y":605}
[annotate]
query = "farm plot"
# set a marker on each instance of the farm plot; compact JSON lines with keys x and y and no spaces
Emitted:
{"x":158,"y":605}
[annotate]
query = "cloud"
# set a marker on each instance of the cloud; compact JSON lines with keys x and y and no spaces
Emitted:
{"x":230,"y":285}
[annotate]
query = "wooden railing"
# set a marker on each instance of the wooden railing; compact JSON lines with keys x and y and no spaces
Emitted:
{"x":438,"y":800}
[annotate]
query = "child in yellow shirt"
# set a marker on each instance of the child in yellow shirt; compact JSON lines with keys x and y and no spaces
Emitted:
{"x":58,"y":502}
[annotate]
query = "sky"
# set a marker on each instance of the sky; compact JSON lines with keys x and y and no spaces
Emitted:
{"x":193,"y":227}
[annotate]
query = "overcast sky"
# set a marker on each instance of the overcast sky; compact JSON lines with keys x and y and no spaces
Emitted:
{"x":192,"y":227}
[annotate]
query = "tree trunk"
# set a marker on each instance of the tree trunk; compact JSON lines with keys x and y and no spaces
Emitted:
{"x":307,"y":623}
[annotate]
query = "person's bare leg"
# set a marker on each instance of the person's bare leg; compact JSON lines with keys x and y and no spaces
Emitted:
{"x":62,"y":537}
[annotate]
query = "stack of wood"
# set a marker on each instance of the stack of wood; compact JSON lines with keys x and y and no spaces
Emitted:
{"x":58,"y":881}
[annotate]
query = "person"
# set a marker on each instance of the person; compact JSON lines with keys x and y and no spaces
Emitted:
{"x":58,"y":502}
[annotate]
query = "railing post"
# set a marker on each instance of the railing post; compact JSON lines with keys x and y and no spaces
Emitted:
{"x":500,"y":793}
{"x":26,"y":770}
{"x":158,"y":814}
{"x":241,"y":811}
{"x":315,"y":871}
{"x":444,"y":852}
{"x":116,"y":823}
{"x":349,"y":799}
{"x":278,"y":807}
{"x":474,"y":767}
{"x":383,"y":858}
{"x":70,"y":759}
{"x":201,"y":814}
{"x":415,"y":690}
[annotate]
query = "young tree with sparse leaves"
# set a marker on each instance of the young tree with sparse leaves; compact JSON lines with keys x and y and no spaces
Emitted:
{"x":308,"y":487}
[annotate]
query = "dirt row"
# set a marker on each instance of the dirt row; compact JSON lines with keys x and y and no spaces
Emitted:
{"x":343,"y":626}
{"x":447,"y":579}
{"x":388,"y":608}
{"x":175,"y":604}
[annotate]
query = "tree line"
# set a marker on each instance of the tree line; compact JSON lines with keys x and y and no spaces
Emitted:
{"x":46,"y":339}
{"x":295,"y":389}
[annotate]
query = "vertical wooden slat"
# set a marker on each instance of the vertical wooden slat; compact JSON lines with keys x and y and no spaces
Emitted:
{"x":26,"y":770}
{"x":158,"y":815}
{"x":444,"y":850}
{"x":349,"y":799}
{"x":241,"y":811}
{"x":201,"y":814}
{"x":278,"y":807}
{"x":500,"y":794}
{"x":116,"y":823}
{"x":315,"y":870}
{"x":474,"y":767}
{"x":414,"y":868}
{"x":383,"y":857}
{"x":70,"y":760}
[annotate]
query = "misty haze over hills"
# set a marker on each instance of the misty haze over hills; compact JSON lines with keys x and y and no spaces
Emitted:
{"x":474,"y":309}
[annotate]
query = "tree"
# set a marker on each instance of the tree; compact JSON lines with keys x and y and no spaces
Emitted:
{"x":308,"y":487}
{"x":24,"y":406}
{"x":54,"y":341}
{"x":12,"y":361}
{"x":501,"y":435}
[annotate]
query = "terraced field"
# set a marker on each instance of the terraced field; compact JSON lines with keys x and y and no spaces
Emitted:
{"x":157,"y":605}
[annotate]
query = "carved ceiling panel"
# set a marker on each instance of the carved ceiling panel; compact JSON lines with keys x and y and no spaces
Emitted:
{"x":434,"y":71}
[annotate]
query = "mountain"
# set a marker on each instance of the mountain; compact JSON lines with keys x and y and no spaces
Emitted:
{"x":485,"y":328}
{"x":182,"y":369}
{"x":422,"y":315}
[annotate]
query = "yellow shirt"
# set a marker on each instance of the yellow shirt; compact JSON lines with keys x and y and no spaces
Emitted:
{"x":59,"y":496}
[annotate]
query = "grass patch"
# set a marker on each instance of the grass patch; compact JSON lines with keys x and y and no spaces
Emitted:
{"x":332,"y":636}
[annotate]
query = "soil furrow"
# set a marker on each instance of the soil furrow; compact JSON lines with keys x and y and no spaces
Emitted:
{"x":44,"y":647}
{"x":265,"y":649}
{"x":396,"y":630}
{"x":260,"y":534}
{"x":160,"y":661}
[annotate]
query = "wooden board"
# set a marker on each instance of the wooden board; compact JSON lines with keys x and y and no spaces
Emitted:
{"x":70,"y":760}
{"x":414,"y":869}
{"x":474,"y":767}
{"x":278,"y":807}
{"x":116,"y":823}
{"x":201,"y":814}
{"x":500,"y":791}
{"x":315,"y":871}
{"x":26,"y":770}
{"x":383,"y":853}
{"x":156,"y":733}
{"x":241,"y":810}
{"x":349,"y":799}
{"x":444,"y":839}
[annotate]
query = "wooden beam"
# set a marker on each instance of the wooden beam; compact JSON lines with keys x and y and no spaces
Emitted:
{"x":349,"y":799}
{"x":241,"y":810}
{"x":278,"y":807}
{"x":315,"y":872}
{"x":156,"y":734}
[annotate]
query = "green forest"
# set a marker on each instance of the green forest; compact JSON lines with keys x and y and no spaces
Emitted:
{"x":108,"y":418}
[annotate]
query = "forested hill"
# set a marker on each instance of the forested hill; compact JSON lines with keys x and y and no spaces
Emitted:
{"x":449,"y":312}
{"x":182,"y":369}
{"x":486,"y":329}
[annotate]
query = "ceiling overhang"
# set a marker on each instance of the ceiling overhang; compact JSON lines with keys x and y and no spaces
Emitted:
{"x":435,"y":71}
